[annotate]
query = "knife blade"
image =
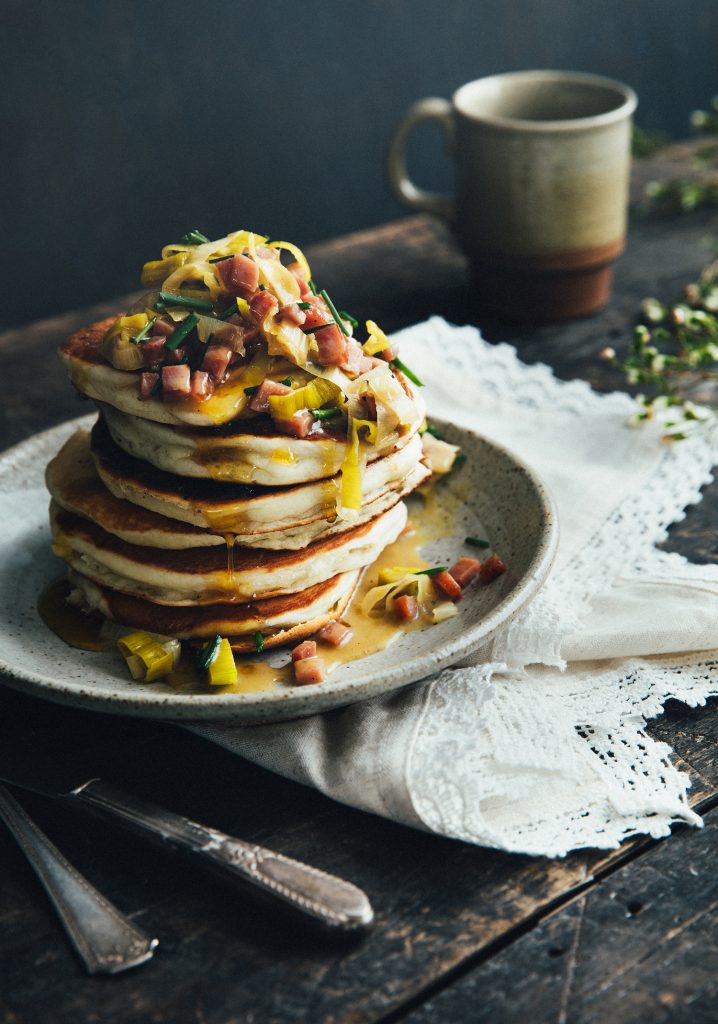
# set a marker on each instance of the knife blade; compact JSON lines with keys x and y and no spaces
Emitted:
{"x":35,"y":755}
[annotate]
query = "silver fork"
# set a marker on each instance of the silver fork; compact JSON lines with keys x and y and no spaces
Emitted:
{"x":105,"y":939}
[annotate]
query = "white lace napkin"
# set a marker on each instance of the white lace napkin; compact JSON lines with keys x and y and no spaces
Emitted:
{"x":538,"y":746}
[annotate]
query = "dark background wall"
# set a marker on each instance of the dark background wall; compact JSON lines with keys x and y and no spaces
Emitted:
{"x":126,"y":122}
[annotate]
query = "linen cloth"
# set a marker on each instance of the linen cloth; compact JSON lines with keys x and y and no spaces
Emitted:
{"x":537,"y":745}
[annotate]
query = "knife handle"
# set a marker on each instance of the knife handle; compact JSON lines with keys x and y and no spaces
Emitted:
{"x":334,"y":903}
{"x":103,"y":937}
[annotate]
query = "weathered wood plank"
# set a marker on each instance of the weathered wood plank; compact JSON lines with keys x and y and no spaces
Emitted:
{"x":639,"y":946}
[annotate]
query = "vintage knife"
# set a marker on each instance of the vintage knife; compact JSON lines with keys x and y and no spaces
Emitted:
{"x":30,"y":759}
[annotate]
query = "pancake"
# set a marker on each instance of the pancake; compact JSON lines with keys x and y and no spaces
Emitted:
{"x":246,"y":452}
{"x":205,"y":575}
{"x":281,"y":620}
{"x":288,"y":517}
{"x":97,"y":379}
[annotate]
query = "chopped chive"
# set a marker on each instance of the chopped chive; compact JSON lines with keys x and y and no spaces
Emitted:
{"x":221,"y":259}
{"x":476,"y":542}
{"x":253,"y":390}
{"x":312,"y":286}
{"x":181,"y":332}
{"x":304,"y":305}
{"x":287,"y":382}
{"x":144,"y":333}
{"x":334,"y":313}
{"x":326,"y":414}
{"x":156,"y":386}
{"x":458,"y":461}
{"x":407,"y":372}
{"x":207,"y":654}
{"x":347,"y":316}
{"x":262,"y":288}
{"x":194,"y":237}
{"x":431,"y":572}
{"x":259,"y":642}
{"x":187,"y":301}
{"x":313,"y":330}
{"x":434,"y":431}
{"x":228,"y":312}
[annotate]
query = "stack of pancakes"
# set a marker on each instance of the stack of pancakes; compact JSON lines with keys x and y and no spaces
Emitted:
{"x":176,"y":526}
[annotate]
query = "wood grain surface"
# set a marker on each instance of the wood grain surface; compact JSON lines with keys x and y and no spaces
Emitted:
{"x":462,"y":934}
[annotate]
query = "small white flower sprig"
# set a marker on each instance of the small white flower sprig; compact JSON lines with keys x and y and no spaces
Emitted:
{"x":674,"y":355}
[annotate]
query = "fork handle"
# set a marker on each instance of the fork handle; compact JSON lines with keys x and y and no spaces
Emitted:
{"x":331,"y":901}
{"x":104,"y":938}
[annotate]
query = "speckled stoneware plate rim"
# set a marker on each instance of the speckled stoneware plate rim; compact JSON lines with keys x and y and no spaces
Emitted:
{"x":283,"y":702}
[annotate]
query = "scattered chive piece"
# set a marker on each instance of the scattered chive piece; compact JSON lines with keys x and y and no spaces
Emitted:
{"x":253,"y":390}
{"x":313,"y":330}
{"x":228,"y":312}
{"x":262,"y":288}
{"x":431,"y":429}
{"x":312,"y":286}
{"x":459,"y":461}
{"x":304,"y":305}
{"x":431,"y":572}
{"x":334,"y":313}
{"x":221,"y":259}
{"x":476,"y":542}
{"x":186,"y":301}
{"x":176,"y":339}
{"x":287,"y":382}
{"x":207,"y":654}
{"x":193,"y":237}
{"x":326,"y":414}
{"x":259,"y":642}
{"x":347,"y":316}
{"x":156,"y":386}
{"x":407,"y":372}
{"x":144,"y":333}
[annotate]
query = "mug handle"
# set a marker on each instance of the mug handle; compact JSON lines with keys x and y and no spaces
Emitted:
{"x":430,"y":109}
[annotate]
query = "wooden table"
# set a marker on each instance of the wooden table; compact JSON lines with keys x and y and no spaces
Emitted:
{"x":463,"y":934}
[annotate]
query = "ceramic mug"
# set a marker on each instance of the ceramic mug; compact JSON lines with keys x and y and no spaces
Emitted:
{"x":542,"y":164}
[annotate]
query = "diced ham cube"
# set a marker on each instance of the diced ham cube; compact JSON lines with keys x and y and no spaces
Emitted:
{"x":388,"y":354}
{"x":445,"y":582}
{"x":163,"y":327}
{"x":201,"y":385}
{"x":293,"y":314}
{"x":175,"y":381}
{"x":355,"y":356}
{"x":307,"y":649}
{"x":309,"y":670}
{"x":299,"y":425}
{"x":465,"y":570}
{"x":331,"y":346}
{"x":491,"y":568}
{"x":263,"y":305}
{"x":216,"y":360}
{"x":296,"y":270}
{"x":148,"y":383}
{"x":153,"y":350}
{"x":233,"y":333}
{"x":260,"y":401}
{"x":318,"y":312}
{"x":335,"y":634}
{"x":406,"y":608}
{"x":176,"y":355}
{"x":240,"y":275}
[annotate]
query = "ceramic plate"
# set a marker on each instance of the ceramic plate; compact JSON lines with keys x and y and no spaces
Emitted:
{"x":493,"y":494}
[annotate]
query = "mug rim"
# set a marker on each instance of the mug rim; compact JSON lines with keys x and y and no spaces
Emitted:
{"x":619,"y":113}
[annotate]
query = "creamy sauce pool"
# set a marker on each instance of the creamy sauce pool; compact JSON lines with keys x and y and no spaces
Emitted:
{"x":433,"y":516}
